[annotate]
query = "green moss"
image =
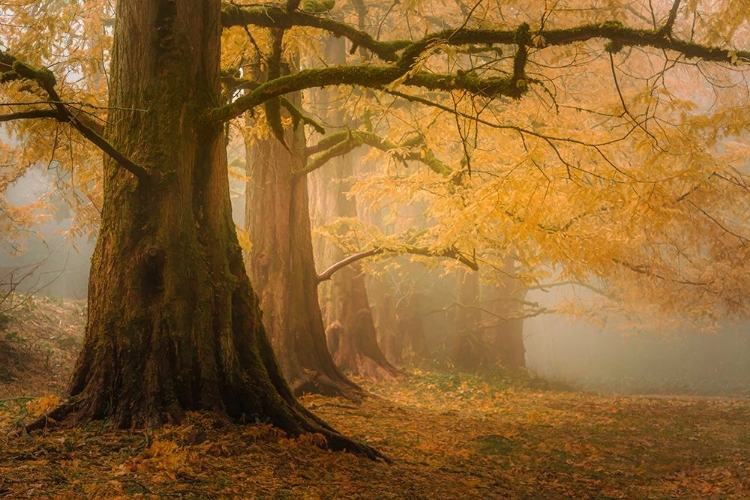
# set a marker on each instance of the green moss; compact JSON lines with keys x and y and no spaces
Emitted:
{"x":43,"y":76}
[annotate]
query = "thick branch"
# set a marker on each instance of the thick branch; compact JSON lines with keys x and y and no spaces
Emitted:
{"x":31,"y":114}
{"x":341,"y":143}
{"x":449,"y":253}
{"x":328,"y":273}
{"x":364,"y":76}
{"x":380,"y":76}
{"x":277,"y":17}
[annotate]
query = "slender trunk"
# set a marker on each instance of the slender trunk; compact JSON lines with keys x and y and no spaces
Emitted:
{"x":469,"y":350}
{"x":282,"y":267}
{"x":173,"y":322}
{"x":506,"y":334}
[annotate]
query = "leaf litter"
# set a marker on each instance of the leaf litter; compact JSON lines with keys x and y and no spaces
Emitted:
{"x":451,"y":436}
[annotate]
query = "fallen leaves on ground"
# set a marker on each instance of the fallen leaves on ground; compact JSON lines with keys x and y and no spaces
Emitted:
{"x":450,"y":436}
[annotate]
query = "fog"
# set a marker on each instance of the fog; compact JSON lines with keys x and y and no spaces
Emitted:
{"x":608,"y":359}
{"x":50,"y":263}
{"x":617,"y":359}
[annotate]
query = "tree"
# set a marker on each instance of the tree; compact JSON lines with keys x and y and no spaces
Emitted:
{"x":174,"y":324}
{"x":282,"y":266}
{"x":352,"y":336}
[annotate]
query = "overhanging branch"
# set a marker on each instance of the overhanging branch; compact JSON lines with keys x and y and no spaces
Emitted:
{"x":401,"y":69}
{"x":425,"y":252}
{"x":15,"y":69}
{"x":375,"y":77}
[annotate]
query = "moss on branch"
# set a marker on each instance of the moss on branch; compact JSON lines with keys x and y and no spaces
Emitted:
{"x":341,"y":143}
{"x":401,"y":68}
{"x":270,"y":16}
{"x":365,"y":76}
{"x":15,"y":69}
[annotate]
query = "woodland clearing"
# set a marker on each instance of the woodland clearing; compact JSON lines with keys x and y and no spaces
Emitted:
{"x":449,"y":436}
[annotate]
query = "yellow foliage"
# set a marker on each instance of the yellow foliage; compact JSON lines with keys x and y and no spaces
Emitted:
{"x":42,"y":406}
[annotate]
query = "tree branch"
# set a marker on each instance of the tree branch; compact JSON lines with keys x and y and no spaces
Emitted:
{"x":532,"y":312}
{"x":31,"y":114}
{"x":269,"y":16}
{"x":341,"y":143}
{"x":46,"y":81}
{"x":375,"y":77}
{"x":667,"y":28}
{"x":448,"y":253}
{"x":328,"y":273}
{"x":514,"y":86}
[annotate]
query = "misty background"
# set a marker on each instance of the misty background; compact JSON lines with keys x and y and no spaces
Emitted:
{"x":610,"y":358}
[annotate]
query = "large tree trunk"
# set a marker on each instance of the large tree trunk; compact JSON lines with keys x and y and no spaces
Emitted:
{"x":283,"y":269}
{"x":173,"y":322}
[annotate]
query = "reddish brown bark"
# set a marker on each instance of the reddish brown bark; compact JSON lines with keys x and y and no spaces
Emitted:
{"x":346,"y":302}
{"x":173,"y":322}
{"x":282,"y":267}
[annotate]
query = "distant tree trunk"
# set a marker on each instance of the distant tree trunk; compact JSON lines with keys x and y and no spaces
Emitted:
{"x":505,"y":337}
{"x":358,"y":350}
{"x":347,"y":306}
{"x":410,"y":328}
{"x":173,"y":322}
{"x":384,"y":316}
{"x":469,"y":350}
{"x":282,"y":267}
{"x":509,"y":336}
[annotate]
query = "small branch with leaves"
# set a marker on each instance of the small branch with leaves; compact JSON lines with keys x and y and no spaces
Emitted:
{"x":13,"y":69}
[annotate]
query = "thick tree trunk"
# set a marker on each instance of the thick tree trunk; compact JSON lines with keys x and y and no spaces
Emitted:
{"x":173,"y":322}
{"x":283,"y":269}
{"x":357,"y":348}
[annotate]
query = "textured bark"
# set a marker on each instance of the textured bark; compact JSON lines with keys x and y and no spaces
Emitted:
{"x":357,"y":348}
{"x":346,"y":306}
{"x":173,"y":322}
{"x":282,"y":267}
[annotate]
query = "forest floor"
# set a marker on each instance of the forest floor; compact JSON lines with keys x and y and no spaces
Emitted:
{"x":450,"y":436}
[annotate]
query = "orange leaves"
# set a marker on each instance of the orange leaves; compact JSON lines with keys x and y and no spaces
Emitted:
{"x":42,"y":406}
{"x":164,"y":461}
{"x":451,"y":436}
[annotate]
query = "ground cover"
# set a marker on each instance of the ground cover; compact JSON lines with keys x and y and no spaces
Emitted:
{"x":450,"y":436}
